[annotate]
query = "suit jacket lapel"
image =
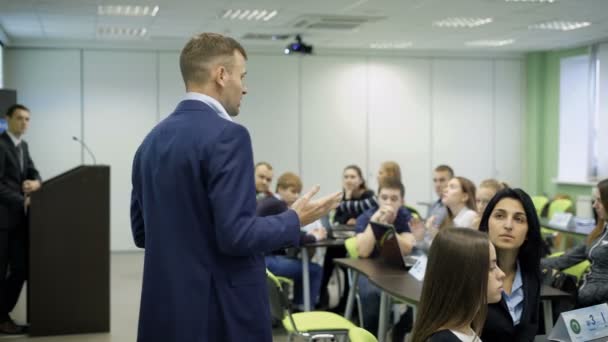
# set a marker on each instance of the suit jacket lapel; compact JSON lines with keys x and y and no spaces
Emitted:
{"x":12,"y":149}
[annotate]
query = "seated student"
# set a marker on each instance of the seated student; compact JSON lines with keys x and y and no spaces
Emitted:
{"x":461,"y":279}
{"x":593,"y":289}
{"x":288,"y":189}
{"x":389,"y":169}
{"x":441,"y":176}
{"x":486,"y":190}
{"x":390,"y":211}
{"x":459,"y":198}
{"x":263,"y":179}
{"x":356,"y":199}
{"x":513,"y":227}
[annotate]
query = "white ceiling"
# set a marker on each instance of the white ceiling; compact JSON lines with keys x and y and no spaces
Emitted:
{"x":75,"y":23}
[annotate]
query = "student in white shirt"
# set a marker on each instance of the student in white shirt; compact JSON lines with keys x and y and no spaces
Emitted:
{"x":459,"y":198}
{"x":453,"y":303}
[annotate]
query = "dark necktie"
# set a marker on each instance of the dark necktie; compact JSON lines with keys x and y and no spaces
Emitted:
{"x":19,"y":148}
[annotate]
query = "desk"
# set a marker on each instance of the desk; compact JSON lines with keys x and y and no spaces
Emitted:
{"x":571,"y":230}
{"x":397,"y":283}
{"x":305,"y":262}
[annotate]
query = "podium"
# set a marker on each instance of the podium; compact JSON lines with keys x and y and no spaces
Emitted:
{"x":69,"y":254}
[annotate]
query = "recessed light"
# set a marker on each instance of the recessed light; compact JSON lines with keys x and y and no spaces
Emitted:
{"x":541,"y":1}
{"x":121,"y":32}
{"x":461,"y":22}
{"x":249,"y":14}
{"x":560,"y":25}
{"x":390,"y":45}
{"x":127,"y":10}
{"x":491,"y":43}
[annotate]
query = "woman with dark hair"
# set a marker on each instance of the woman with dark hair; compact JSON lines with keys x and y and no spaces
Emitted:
{"x":356,"y":198}
{"x":453,"y":303}
{"x":513,"y":227}
{"x":593,"y":289}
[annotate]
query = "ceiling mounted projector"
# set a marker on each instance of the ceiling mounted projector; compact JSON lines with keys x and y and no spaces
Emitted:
{"x":298,"y":47}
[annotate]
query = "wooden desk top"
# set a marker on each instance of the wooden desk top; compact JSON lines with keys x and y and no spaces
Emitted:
{"x":571,"y":229}
{"x":400,"y":284}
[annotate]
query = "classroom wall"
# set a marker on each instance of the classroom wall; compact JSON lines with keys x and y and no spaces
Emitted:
{"x":542,"y":124}
{"x":308,"y":114}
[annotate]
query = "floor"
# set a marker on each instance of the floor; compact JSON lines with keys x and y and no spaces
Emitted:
{"x":125,"y":289}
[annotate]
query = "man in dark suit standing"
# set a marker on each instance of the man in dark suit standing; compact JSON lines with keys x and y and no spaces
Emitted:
{"x":18,"y":179}
{"x":193,"y":210}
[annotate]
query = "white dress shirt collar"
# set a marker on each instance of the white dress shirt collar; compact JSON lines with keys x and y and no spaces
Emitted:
{"x":211,"y":102}
{"x":15,"y":140}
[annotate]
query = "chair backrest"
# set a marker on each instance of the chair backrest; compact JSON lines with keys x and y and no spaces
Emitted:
{"x":560,"y":206}
{"x":280,"y":307}
{"x":351,"y":247}
{"x":413,"y":211}
{"x":539,"y":203}
{"x":357,"y":334}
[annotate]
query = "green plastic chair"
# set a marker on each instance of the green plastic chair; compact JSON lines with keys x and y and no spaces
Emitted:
{"x":560,"y":206}
{"x":309,"y":325}
{"x":361,"y":335}
{"x":351,"y":247}
{"x":413,"y":211}
{"x":577,"y":270}
{"x":539,"y":203}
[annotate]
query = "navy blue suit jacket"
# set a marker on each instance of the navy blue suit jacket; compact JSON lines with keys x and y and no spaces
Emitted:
{"x":193,"y":210}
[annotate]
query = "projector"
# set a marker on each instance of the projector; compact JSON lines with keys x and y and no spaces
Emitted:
{"x":298,"y":47}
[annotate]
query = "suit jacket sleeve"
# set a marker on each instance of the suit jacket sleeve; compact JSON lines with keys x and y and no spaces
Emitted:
{"x":137,"y":220}
{"x":227,"y":166}
{"x":30,"y":169}
{"x":8,"y":196}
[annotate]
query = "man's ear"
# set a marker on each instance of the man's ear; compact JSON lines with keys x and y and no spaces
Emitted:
{"x":220,"y":74}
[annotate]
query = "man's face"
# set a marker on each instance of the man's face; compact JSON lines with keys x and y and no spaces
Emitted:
{"x":234,"y":89}
{"x":390,"y":197}
{"x":18,"y":122}
{"x":440,"y":180}
{"x":263,"y":178}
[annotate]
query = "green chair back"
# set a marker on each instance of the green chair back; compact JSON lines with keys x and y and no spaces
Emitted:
{"x":360,"y":335}
{"x":413,"y":211}
{"x":577,"y":270}
{"x":560,"y":206}
{"x":539,"y":203}
{"x":351,"y":247}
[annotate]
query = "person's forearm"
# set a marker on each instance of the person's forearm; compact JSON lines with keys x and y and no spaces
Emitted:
{"x":366,"y":242}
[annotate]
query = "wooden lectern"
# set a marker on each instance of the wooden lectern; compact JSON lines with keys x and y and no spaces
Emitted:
{"x":69,"y":280}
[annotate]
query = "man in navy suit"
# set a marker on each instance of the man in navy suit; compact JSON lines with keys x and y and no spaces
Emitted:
{"x":18,"y":180}
{"x":193,"y":210}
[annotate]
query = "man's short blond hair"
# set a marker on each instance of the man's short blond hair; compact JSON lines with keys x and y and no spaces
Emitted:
{"x":289,"y":180}
{"x":202,"y":51}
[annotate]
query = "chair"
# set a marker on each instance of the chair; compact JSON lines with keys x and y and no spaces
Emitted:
{"x":351,"y":249}
{"x":577,"y":270}
{"x":560,"y":206}
{"x":413,"y":211}
{"x":360,"y":335}
{"x":309,"y":325}
{"x":539,"y":203}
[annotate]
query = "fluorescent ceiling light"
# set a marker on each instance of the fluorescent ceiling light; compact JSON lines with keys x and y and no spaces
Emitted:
{"x":390,"y":45}
{"x":248,"y":14}
{"x":560,"y":25}
{"x":490,"y":43}
{"x":127,"y":10}
{"x":459,"y":22}
{"x":121,"y":32}
{"x":541,"y":1}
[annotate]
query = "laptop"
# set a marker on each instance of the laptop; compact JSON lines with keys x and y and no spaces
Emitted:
{"x":388,"y":246}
